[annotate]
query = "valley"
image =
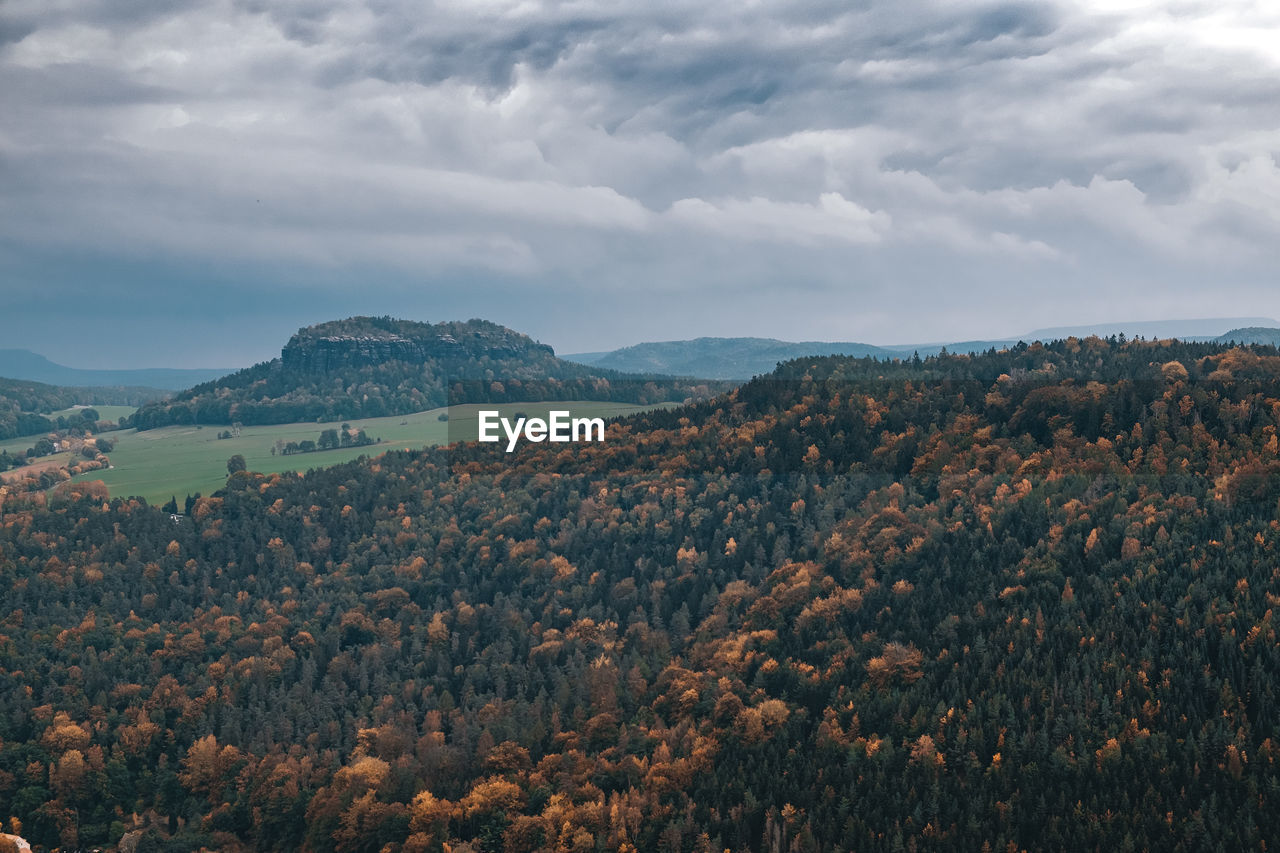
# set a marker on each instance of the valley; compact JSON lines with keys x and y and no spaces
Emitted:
{"x":176,"y":461}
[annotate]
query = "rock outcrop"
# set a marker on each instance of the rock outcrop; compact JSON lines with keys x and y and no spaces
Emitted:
{"x":335,"y":346}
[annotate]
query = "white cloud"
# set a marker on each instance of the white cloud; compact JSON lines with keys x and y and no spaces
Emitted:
{"x":833,"y":218}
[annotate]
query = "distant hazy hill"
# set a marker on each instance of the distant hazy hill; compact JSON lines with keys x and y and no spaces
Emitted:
{"x":1197,"y":329}
{"x":719,"y":358}
{"x":33,"y":367}
{"x":743,"y":358}
{"x":1252,"y":335}
{"x":586,"y":357}
{"x":379,"y":366}
{"x":953,"y":347}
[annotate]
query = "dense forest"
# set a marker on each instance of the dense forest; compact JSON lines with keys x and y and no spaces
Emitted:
{"x":1022,"y":600}
{"x":25,"y":406}
{"x":366,"y":367}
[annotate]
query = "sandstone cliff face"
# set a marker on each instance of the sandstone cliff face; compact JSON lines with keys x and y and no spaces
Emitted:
{"x":327,"y":353}
{"x":324,"y":355}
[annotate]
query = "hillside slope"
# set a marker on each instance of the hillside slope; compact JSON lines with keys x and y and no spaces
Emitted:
{"x":1020,"y":601}
{"x":365,"y":367}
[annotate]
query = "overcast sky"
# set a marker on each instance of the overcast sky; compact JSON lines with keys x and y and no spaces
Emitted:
{"x":185,"y":182}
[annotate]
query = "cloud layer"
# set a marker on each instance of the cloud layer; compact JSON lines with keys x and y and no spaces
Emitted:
{"x":600,"y":173}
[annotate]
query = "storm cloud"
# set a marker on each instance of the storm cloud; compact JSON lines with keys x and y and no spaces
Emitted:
{"x":602,"y":173}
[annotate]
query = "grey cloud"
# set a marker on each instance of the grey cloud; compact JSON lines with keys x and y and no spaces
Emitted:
{"x":12,"y":30}
{"x":1014,"y":19}
{"x":81,"y":86}
{"x":855,"y":152}
{"x":112,"y":14}
{"x":482,"y":56}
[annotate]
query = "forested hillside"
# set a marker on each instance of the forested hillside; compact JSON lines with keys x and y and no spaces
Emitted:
{"x":368,"y":367}
{"x":1017,"y":601}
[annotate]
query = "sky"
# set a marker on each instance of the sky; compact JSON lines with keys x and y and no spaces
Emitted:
{"x":186,"y":182}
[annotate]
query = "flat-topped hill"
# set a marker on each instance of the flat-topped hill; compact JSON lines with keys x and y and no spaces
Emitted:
{"x":380,"y":366}
{"x":371,"y":341}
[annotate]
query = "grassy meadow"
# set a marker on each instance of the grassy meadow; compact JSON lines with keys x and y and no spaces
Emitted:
{"x":106,"y":413}
{"x":177,"y":461}
{"x":15,"y":446}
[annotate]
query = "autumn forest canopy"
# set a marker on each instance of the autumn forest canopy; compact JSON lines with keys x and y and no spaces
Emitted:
{"x":1020,"y":599}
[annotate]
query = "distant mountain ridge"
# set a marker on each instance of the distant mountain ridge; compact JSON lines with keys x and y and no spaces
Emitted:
{"x":380,"y":366}
{"x":745,"y":357}
{"x":740,"y":359}
{"x":28,"y":366}
{"x":721,"y":358}
{"x":1188,"y":330}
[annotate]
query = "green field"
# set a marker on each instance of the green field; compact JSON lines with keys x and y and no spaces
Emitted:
{"x":18,"y":445}
{"x":62,"y":460}
{"x":177,"y":461}
{"x":106,"y":413}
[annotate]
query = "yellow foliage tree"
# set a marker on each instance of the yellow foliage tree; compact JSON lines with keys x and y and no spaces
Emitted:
{"x":492,"y":795}
{"x":897,"y":661}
